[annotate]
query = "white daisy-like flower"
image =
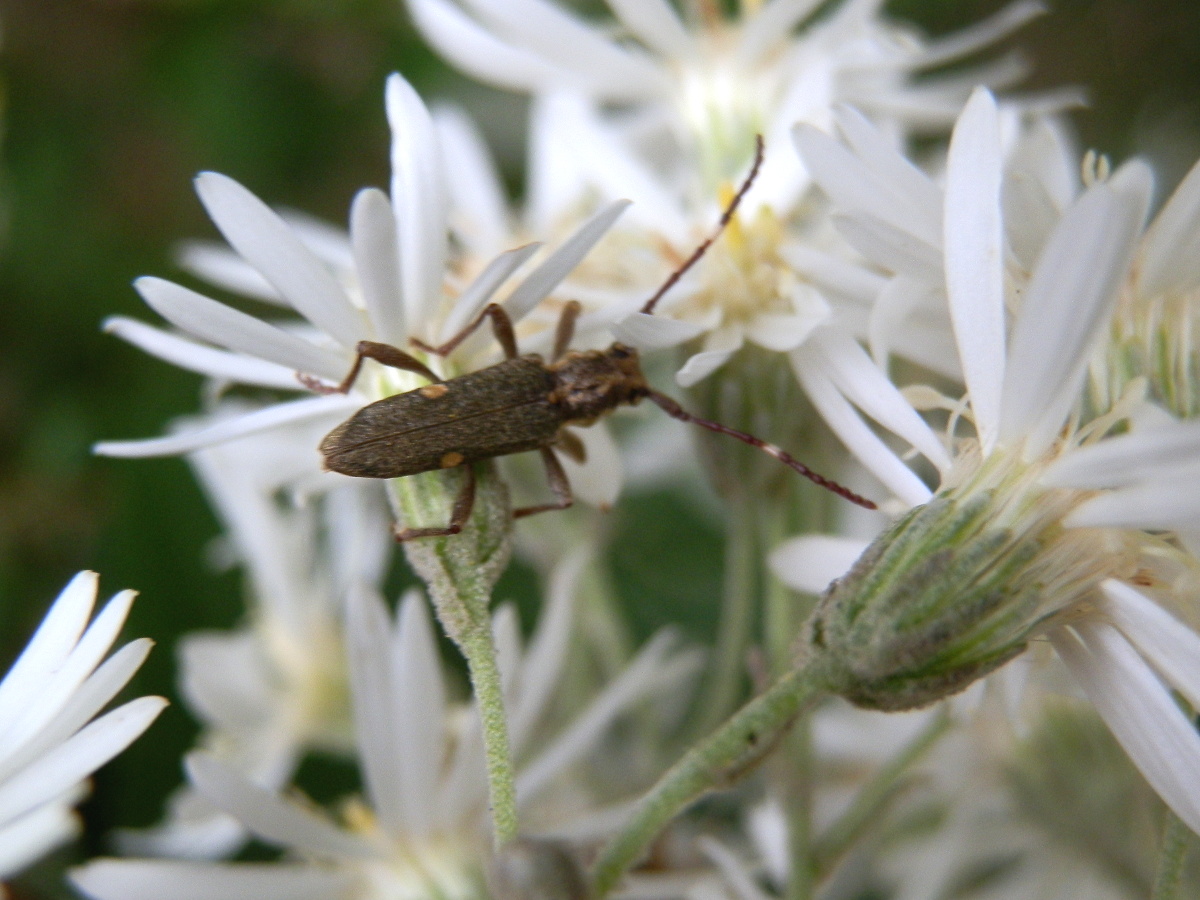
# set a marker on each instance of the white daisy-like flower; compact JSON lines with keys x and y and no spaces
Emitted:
{"x":394,"y":274}
{"x":692,"y":92}
{"x":48,"y":741}
{"x":421,"y":828}
{"x":1065,"y":505}
{"x":274,"y":689}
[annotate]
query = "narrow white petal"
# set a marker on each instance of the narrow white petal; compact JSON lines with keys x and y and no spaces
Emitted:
{"x":974,"y":248}
{"x":49,"y":646}
{"x":1159,"y":738}
{"x":771,"y":25}
{"x":811,"y":562}
{"x":780,"y":332}
{"x":218,"y":265}
{"x":650,"y":671}
{"x":547,"y":652}
{"x":1171,"y":247}
{"x":478,"y":52}
{"x":377,"y":734}
{"x":734,"y":872}
{"x":480,"y":291}
{"x":1068,"y":302}
{"x":271,"y":817}
{"x":866,"y":386}
{"x":266,"y":242}
{"x":163,"y":879}
{"x":837,"y":412}
{"x":978,"y":36}
{"x":719,"y":347}
{"x":895,"y":249}
{"x":546,"y":277}
{"x":651,"y":332}
{"x":419,"y":700}
{"x":418,"y":201}
{"x":477,"y":196}
{"x":655,"y":24}
{"x":1160,"y":505}
{"x":613,"y":71}
{"x":1170,"y":647}
{"x":25,"y":840}
{"x":80,"y":756}
{"x":202,"y":359}
{"x":1128,"y":458}
{"x":833,"y":275}
{"x":859,"y":185}
{"x":598,"y":481}
{"x":330,"y":407}
{"x":376,"y":248}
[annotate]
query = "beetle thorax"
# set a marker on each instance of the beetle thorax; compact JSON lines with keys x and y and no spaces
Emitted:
{"x":589,"y":383}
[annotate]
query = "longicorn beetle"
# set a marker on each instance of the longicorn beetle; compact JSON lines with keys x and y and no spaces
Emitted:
{"x":520,"y":404}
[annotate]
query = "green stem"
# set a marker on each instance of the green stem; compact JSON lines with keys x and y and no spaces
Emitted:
{"x":718,"y":760}
{"x":794,"y":782}
{"x":727,"y":673}
{"x":875,"y":794}
{"x":479,"y":648}
{"x":1171,"y":857}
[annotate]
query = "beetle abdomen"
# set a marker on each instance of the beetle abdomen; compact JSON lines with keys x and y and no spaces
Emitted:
{"x":493,"y":412}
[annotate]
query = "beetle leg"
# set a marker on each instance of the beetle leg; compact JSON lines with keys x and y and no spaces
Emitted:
{"x":502,"y":328}
{"x":458,"y":516}
{"x":565,"y":330}
{"x":558,"y":483}
{"x":388,"y":356}
{"x":570,"y":443}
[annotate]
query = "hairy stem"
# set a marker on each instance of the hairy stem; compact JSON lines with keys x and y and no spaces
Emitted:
{"x":1171,"y":857}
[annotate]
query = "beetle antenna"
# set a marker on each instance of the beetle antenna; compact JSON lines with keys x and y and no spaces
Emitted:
{"x":674,"y":277}
{"x":675,"y":411}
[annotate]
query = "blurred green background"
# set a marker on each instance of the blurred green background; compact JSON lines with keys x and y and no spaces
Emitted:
{"x":111,"y":106}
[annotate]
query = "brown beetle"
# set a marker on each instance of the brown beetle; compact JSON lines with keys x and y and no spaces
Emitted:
{"x":520,"y":404}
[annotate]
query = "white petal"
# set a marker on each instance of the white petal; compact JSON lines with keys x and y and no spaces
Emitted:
{"x":779,"y":332}
{"x":598,"y":481}
{"x":267,"y":243}
{"x":419,"y":700}
{"x":613,"y":71}
{"x":1160,"y":505}
{"x":650,"y":332}
{"x":480,"y":291}
{"x":219,"y":324}
{"x":978,"y":36}
{"x":1171,"y":248}
{"x":477,"y":195}
{"x":199,"y":358}
{"x":719,"y":347}
{"x":546,"y":277}
{"x":1170,"y":647}
{"x":81,"y":755}
{"x":418,"y":201}
{"x":548,"y":648}
{"x":1128,"y":458}
{"x":330,"y":407}
{"x":1160,"y":740}
{"x":368,"y":635}
{"x":875,"y":456}
{"x":50,"y":645}
{"x":894,"y":249}
{"x":1068,"y":302}
{"x":273,"y":818}
{"x":771,"y":25}
{"x":655,"y":24}
{"x":25,"y":840}
{"x":868,"y":388}
{"x":376,"y":248}
{"x":734,"y":872}
{"x":811,"y":562}
{"x":162,"y":879}
{"x":218,"y":265}
{"x":974,"y":248}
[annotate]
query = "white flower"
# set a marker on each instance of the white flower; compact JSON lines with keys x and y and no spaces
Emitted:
{"x":421,"y":828}
{"x":275,"y":688}
{"x":1050,"y":472}
{"x":48,"y":743}
{"x":386,"y":284}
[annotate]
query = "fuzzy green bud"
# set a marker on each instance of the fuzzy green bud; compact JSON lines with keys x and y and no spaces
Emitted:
{"x":949,"y":593}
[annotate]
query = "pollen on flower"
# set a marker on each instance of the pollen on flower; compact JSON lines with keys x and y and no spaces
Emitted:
{"x":743,"y":274}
